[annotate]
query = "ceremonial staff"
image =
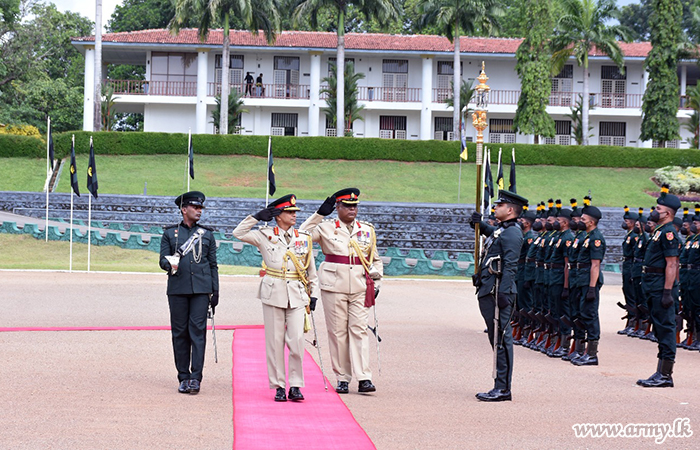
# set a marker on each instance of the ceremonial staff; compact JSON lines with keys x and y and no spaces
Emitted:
{"x":479,"y":122}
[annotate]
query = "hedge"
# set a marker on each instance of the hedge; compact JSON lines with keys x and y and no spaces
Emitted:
{"x":133,"y":143}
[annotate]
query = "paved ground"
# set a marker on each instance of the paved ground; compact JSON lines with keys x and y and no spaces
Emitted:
{"x":117,"y":389}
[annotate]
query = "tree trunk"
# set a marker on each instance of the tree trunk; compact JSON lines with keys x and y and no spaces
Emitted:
{"x":225,"y":63}
{"x":586,"y":102}
{"x":97,"y":119}
{"x":457,"y":89}
{"x":340,"y":76}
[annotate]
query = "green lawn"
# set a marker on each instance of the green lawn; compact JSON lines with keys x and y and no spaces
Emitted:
{"x":244,"y":176}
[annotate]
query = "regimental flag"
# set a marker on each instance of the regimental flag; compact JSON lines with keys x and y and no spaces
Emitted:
{"x":512,"y":188}
{"x":92,"y":172}
{"x":73,"y":169}
{"x":464,"y":154}
{"x":51,"y":149}
{"x":499,"y":177}
{"x":191,"y":156}
{"x":488,"y":182}
{"x":271,"y":171}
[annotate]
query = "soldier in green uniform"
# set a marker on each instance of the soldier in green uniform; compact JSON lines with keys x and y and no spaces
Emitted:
{"x":530,"y":275}
{"x":683,"y":278}
{"x":188,"y":254}
{"x":660,"y":286}
{"x":640,"y":248}
{"x":496,"y":288}
{"x":547,"y":344}
{"x":526,"y":221}
{"x":693,"y":279}
{"x":560,"y":282}
{"x":590,"y":277}
{"x":628,"y":245}
{"x":578,"y":229}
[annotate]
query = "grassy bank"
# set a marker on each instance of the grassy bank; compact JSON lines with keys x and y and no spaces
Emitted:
{"x":244,"y":176}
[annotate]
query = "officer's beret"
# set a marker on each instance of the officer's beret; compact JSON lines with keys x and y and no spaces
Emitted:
{"x":510,"y":197}
{"x":286,"y":203}
{"x":630,"y":215}
{"x":575,"y":210}
{"x":668,"y":200}
{"x":641,"y":217}
{"x":677,"y":221}
{"x":348,"y":196}
{"x":528,"y":214}
{"x":565,"y":212}
{"x":686,"y":215}
{"x":195,"y":198}
{"x":697,"y":212}
{"x":592,"y":211}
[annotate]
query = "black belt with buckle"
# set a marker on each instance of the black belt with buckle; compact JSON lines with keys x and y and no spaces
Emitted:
{"x":556,"y":266}
{"x":690,"y":266}
{"x":583,"y":265}
{"x":647,"y":269}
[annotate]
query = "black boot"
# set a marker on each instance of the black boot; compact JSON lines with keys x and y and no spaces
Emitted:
{"x":662,"y":376}
{"x":578,"y":350}
{"x":590,"y":358}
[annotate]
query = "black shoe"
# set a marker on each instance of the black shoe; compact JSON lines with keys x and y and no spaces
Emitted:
{"x":342,"y":387}
{"x":194,"y":387}
{"x":280,"y":395}
{"x":494,"y":395}
{"x":585,"y":360}
{"x":660,"y":378}
{"x":184,"y":387}
{"x":295,"y":394}
{"x":366,"y":386}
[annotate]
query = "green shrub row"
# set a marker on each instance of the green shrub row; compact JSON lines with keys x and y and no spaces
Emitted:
{"x":114,"y":143}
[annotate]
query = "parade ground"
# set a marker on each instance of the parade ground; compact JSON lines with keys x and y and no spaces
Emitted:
{"x":115,"y":387}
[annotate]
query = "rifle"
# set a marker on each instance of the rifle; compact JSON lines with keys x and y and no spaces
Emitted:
{"x":210,"y":315}
{"x":497,"y":341}
{"x":317,"y":344}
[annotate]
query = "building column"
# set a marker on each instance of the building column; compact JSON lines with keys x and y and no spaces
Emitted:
{"x":89,"y":88}
{"x":426,"y":114}
{"x":202,"y":82}
{"x":314,"y":93}
{"x":684,"y":82}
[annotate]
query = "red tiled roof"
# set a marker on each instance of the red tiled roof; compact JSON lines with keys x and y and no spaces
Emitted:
{"x":353,"y":41}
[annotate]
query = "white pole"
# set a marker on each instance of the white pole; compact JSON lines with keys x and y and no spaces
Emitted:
{"x":267,"y":171}
{"x":89,"y":231}
{"x":70,"y":229}
{"x":189,"y":145}
{"x":48,"y":177}
{"x":459,"y":183}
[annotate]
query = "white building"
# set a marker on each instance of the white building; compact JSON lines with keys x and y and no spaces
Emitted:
{"x":406,"y":80}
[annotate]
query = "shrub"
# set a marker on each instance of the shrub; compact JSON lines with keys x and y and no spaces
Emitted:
{"x":21,"y":130}
{"x":680,"y":180}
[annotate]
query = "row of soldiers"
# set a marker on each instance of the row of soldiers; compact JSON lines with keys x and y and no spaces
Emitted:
{"x":688,"y":304}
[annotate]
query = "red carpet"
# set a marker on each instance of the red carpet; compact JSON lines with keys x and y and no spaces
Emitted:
{"x":322,"y":421}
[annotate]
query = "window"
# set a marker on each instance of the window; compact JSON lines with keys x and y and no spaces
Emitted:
{"x":562,"y":134}
{"x":392,"y":127}
{"x":235,"y":73}
{"x":286,"y":77}
{"x":331,"y":63}
{"x":331,"y":129}
{"x":445,"y":70}
{"x":394,"y":80}
{"x":443,"y":129}
{"x":173,"y":74}
{"x":501,"y":131}
{"x":562,"y":87}
{"x":613,"y":133}
{"x":674,"y":143}
{"x":237,"y":126}
{"x":284,"y":124}
{"x":612,"y":87}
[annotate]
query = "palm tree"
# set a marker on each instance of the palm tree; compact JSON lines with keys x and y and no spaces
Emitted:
{"x":384,"y":11}
{"x":584,"y":25}
{"x":352,"y":108}
{"x":577,"y":121}
{"x":255,"y":14}
{"x":235,"y":109}
{"x":452,"y":18}
{"x":465,"y":97}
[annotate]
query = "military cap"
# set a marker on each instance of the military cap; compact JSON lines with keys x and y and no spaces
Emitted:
{"x":641,"y":217}
{"x":510,"y":197}
{"x":630,"y":215}
{"x":590,"y":210}
{"x":697,"y":212}
{"x":668,"y":200}
{"x":195,"y":198}
{"x":565,"y":213}
{"x":575,"y":210}
{"x":348,"y":196}
{"x":587,"y":201}
{"x":286,"y":203}
{"x":529,"y":215}
{"x":686,"y":215}
{"x":677,"y":221}
{"x":551,"y":212}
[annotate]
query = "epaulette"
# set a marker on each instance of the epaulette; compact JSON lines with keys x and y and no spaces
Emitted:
{"x":366,"y":223}
{"x":171,"y":226}
{"x":206,"y":227}
{"x":305,"y":233}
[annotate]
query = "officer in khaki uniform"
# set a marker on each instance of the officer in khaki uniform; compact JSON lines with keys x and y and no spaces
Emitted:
{"x":348,"y":278}
{"x":289,"y":285}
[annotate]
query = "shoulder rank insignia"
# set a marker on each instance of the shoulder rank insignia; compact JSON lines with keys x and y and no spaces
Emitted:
{"x":669,"y":235}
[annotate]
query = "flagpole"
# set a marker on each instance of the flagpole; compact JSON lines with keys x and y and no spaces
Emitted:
{"x":48,"y":175}
{"x":70,"y":263}
{"x":88,"y":229}
{"x":459,"y":182}
{"x":189,"y":146}
{"x":480,"y":124}
{"x":267,"y":174}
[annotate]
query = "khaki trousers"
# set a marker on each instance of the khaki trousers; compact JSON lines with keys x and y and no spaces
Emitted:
{"x":346,"y":321}
{"x":284,"y":326}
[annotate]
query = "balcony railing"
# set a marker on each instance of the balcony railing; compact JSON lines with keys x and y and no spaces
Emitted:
{"x":388,"y":94}
{"x":288,"y":91}
{"x":145,"y":87}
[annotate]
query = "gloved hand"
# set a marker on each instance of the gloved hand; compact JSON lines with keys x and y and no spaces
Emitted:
{"x":527,"y":284}
{"x":312,"y":303}
{"x":565,"y":294}
{"x":474,"y":219}
{"x":213,"y":301}
{"x":167,"y":267}
{"x":590,"y":295}
{"x":327,"y":206}
{"x":503,"y":300}
{"x":267,"y":214}
{"x":667,"y":299}
{"x":476,"y":280}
